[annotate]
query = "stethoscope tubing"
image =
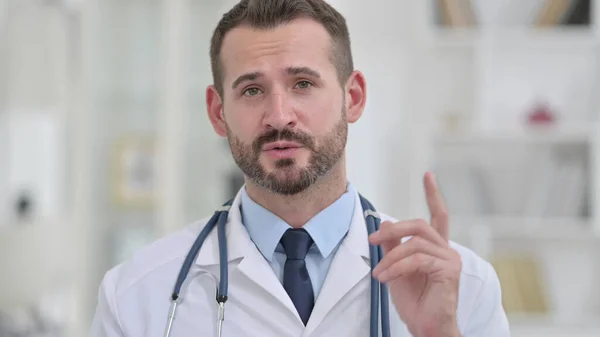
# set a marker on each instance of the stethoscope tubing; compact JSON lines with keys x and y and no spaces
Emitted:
{"x":379,"y":291}
{"x":373,"y":223}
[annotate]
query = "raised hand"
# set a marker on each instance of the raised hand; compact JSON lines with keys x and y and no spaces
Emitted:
{"x":421,"y":270}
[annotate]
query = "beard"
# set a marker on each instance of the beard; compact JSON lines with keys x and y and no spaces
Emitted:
{"x":288,"y":177}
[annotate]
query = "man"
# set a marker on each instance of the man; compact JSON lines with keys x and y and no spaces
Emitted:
{"x":284,"y":92}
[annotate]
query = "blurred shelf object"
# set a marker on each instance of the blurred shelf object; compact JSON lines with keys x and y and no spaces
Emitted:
{"x":576,"y":39}
{"x":452,"y":14}
{"x":524,"y":290}
{"x":134,"y":170}
{"x":523,"y":179}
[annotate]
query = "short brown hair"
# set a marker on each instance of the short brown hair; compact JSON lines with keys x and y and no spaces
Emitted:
{"x":267,"y":14}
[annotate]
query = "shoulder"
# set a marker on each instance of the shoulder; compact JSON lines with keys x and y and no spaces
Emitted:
{"x":152,"y":260}
{"x":480,"y":311}
{"x":144,"y":281}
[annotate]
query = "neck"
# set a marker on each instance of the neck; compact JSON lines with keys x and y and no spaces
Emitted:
{"x":297,"y":210}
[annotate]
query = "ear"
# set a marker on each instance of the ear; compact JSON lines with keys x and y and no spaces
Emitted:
{"x":356,"y":96}
{"x":214,"y":106}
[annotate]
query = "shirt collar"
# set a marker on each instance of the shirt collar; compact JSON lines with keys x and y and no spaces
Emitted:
{"x":327,"y":228}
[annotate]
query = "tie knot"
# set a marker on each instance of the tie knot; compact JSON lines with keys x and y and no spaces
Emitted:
{"x":296,"y":243}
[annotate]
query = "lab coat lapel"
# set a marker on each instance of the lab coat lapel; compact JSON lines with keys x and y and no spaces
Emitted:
{"x":253,"y":265}
{"x":257,"y":269}
{"x":238,"y":241}
{"x":349,"y":266}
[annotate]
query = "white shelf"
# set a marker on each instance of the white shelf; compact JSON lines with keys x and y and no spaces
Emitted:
{"x":551,"y":331}
{"x":539,"y":320}
{"x":518,"y":37}
{"x":20,"y":228}
{"x":525,"y":228}
{"x":547,"y":326}
{"x":551,"y":134}
{"x":525,"y":329}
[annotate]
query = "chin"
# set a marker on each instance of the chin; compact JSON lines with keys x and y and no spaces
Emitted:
{"x":274,"y":165}
{"x":285,"y":169}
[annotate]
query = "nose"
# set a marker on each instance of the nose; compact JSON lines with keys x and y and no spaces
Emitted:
{"x":279,"y":113}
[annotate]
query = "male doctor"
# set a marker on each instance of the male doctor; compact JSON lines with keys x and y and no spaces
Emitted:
{"x":284,"y":92}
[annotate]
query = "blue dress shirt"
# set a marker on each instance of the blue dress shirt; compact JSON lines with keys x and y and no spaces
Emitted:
{"x":327,"y":230}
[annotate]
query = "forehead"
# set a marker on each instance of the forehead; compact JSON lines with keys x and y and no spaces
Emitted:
{"x":302,"y":42}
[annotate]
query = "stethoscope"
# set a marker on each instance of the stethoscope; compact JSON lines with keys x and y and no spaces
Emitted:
{"x":379,"y":292}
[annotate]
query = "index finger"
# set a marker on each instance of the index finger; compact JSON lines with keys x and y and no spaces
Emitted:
{"x":437,"y":207}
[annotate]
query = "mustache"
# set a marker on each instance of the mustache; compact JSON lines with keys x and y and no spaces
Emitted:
{"x":286,"y":134}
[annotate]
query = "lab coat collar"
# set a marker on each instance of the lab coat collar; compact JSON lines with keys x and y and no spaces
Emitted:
{"x":239,"y":242}
{"x":357,"y":237}
{"x":349,"y":266}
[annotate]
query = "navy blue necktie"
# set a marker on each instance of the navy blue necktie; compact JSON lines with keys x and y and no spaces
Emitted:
{"x":296,"y":280}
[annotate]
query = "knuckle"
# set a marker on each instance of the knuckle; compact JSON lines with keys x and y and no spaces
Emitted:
{"x":386,"y":226}
{"x":418,"y":225}
{"x":421,"y":223}
{"x":395,"y":267}
{"x":418,"y":242}
{"x":422,"y":226}
{"x":411,"y":246}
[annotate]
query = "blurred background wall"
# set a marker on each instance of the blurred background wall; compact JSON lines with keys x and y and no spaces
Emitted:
{"x":105,"y":145}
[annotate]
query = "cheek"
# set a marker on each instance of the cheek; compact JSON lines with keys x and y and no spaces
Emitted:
{"x":242,"y":124}
{"x":320,"y":113}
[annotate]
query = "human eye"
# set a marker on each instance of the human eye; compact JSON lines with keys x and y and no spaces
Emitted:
{"x":303,"y":85}
{"x":251,"y":92}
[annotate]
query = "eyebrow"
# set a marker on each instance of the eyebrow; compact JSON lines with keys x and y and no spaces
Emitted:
{"x":303,"y":71}
{"x":290,"y":71}
{"x":246,"y":77}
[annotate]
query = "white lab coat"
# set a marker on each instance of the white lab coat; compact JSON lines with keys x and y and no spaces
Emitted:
{"x":134,"y":297}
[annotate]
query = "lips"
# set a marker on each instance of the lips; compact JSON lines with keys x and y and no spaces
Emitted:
{"x":282,"y":145}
